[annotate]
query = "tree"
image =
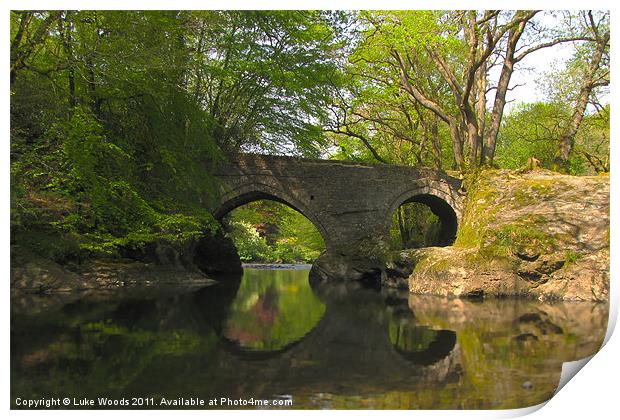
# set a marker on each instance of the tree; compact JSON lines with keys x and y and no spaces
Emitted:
{"x":590,"y":66}
{"x":29,"y":31}
{"x":441,"y":60}
{"x":390,"y":127}
{"x":372,"y":111}
{"x":531,"y":130}
{"x":265,"y":77}
{"x":268,"y":231}
{"x":591,"y":146}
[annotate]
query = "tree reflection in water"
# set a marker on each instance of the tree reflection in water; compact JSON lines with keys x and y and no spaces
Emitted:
{"x":272,"y":311}
{"x":270,"y":334}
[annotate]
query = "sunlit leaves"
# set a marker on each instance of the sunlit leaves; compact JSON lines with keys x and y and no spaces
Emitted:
{"x":265,"y":76}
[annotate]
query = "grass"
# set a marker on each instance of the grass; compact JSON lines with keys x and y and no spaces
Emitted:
{"x":571,"y":256}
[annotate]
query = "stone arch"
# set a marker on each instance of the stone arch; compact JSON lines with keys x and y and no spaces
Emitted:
{"x":442,"y":203}
{"x":248,"y":193}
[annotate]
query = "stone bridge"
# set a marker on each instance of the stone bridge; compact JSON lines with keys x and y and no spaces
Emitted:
{"x":349,"y":203}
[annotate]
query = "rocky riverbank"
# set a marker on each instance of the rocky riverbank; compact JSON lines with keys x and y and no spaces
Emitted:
{"x":44,"y":276}
{"x":154,"y":264}
{"x":537,"y":234}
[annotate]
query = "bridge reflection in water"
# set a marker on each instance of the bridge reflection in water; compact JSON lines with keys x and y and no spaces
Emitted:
{"x":271,"y":334}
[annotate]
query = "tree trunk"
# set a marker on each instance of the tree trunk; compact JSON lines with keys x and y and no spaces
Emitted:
{"x":64,"y":29}
{"x":500,"y":94}
{"x":567,"y":140}
{"x":24,"y":21}
{"x":91,"y":82}
{"x":474,"y":141}
{"x":436,"y":142}
{"x":404,"y":233}
{"x":457,"y":145}
{"x":20,"y":53}
{"x":481,"y":104}
{"x":418,"y":96}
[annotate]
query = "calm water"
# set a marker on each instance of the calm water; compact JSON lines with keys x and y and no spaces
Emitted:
{"x":269,"y":335}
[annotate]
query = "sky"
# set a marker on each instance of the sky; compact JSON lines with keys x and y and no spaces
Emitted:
{"x":529,"y":72}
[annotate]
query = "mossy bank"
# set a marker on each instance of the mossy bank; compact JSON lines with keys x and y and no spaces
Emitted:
{"x":537,"y":234}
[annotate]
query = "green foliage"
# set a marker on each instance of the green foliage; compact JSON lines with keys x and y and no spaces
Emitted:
{"x":571,"y":256}
{"x":272,"y":310}
{"x":534,"y":130}
{"x":266,"y":75}
{"x":531,"y":130}
{"x":117,"y":353}
{"x":410,"y":74}
{"x":285,"y":235}
{"x":118,"y":116}
{"x":375,"y":120}
{"x":414,"y":225}
{"x":522,"y":238}
{"x":250,"y":245}
{"x":562,"y":83}
{"x":591,"y":150}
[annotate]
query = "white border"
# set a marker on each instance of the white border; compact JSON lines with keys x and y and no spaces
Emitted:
{"x":593,"y":393}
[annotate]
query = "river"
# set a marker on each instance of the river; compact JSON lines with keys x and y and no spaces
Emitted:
{"x":270,"y":336}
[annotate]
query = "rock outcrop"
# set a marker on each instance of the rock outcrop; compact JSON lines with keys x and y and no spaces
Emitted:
{"x":362,"y":261}
{"x":43,"y":276}
{"x":537,"y":234}
{"x":155,"y":263}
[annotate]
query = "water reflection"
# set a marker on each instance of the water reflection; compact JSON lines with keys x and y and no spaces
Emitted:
{"x":272,"y":311}
{"x":422,"y":345}
{"x":417,"y":343}
{"x":270,"y":334}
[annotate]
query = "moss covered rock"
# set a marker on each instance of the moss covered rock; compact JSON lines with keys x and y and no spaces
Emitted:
{"x":538,"y":234}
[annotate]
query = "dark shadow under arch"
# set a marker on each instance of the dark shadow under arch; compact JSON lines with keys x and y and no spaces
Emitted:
{"x":446,"y":214}
{"x":442,"y":202}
